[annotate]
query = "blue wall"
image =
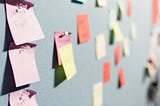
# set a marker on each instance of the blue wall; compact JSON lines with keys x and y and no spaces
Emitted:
{"x":60,"y":15}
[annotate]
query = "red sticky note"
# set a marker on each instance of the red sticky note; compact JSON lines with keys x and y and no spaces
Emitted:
{"x":106,"y":68}
{"x":155,"y":12}
{"x":122,"y":81}
{"x":83,"y":28}
{"x":129,"y":7}
{"x":118,"y":54}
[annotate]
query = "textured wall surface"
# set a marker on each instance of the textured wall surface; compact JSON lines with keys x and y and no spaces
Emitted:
{"x":60,"y":15}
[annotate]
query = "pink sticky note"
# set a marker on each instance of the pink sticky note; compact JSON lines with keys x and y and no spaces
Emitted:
{"x":122,"y":81}
{"x":106,"y":68}
{"x":23,"y":64}
{"x":155,"y":12}
{"x":22,"y":22}
{"x":129,"y":7}
{"x":61,"y":39}
{"x":83,"y":28}
{"x":118,"y":54}
{"x":24,"y":97}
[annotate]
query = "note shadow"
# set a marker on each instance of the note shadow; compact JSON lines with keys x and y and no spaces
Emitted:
{"x":8,"y":84}
{"x":59,"y":74}
{"x":75,"y":1}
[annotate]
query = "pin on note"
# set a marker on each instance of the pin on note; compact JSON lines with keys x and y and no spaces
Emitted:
{"x":61,"y":39}
{"x":22,"y":59}
{"x":25,"y":97}
{"x":106,"y":71}
{"x":66,"y":54}
{"x":100,"y":46}
{"x":98,"y":94}
{"x":83,"y":28}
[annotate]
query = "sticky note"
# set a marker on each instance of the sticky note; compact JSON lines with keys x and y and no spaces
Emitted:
{"x":118,"y":54}
{"x":83,"y":28}
{"x":61,"y":39}
{"x":22,"y":59}
{"x":155,"y":12}
{"x":129,"y":8}
{"x":66,"y":54}
{"x":133,"y":31}
{"x":112,"y":17}
{"x":126,"y":49}
{"x":101,"y":3}
{"x":121,"y":10}
{"x":106,"y":70}
{"x":98,"y":94}
{"x":23,"y":23}
{"x":150,"y":69}
{"x":117,"y":31}
{"x":25,"y":97}
{"x":100,"y":46}
{"x":122,"y":81}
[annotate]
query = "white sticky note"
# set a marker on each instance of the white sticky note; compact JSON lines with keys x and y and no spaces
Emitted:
{"x":100,"y":46}
{"x":122,"y":8}
{"x":98,"y":94}
{"x":126,"y":49}
{"x":23,"y":64}
{"x":23,"y":23}
{"x":102,"y":3}
{"x":133,"y":31}
{"x":112,"y":18}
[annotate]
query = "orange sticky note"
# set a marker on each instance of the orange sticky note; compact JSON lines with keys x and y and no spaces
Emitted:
{"x":118,"y":54}
{"x":129,"y":7}
{"x":155,"y":12}
{"x":122,"y":81}
{"x":107,"y":68}
{"x":83,"y":28}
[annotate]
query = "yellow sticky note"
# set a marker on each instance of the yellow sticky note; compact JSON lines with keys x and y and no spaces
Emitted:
{"x":122,"y":8}
{"x":66,"y":54}
{"x":133,"y":31}
{"x":100,"y":46}
{"x":117,"y":31}
{"x":126,"y":49}
{"x":98,"y":94}
{"x":150,"y":70}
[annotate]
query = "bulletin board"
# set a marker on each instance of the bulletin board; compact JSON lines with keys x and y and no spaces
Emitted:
{"x":53,"y":88}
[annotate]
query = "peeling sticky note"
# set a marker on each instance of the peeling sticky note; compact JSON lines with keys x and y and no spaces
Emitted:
{"x":101,"y":3}
{"x":100,"y":46}
{"x":66,"y":54}
{"x":122,"y":81}
{"x":61,"y":39}
{"x":98,"y":94}
{"x":83,"y":28}
{"x":118,"y":54}
{"x":106,"y":70}
{"x":117,"y":31}
{"x":23,"y":64}
{"x":23,"y":97}
{"x":22,"y":22}
{"x":126,"y":49}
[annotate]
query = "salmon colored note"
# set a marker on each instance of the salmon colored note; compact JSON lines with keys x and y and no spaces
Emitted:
{"x":61,"y":39}
{"x":118,"y":54}
{"x":107,"y":69}
{"x":83,"y":28}
{"x":22,"y":59}
{"x":155,"y":12}
{"x":129,"y":7}
{"x":122,"y":81}
{"x":25,"y":97}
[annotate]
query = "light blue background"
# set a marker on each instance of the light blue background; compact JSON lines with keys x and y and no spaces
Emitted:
{"x":60,"y":15}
